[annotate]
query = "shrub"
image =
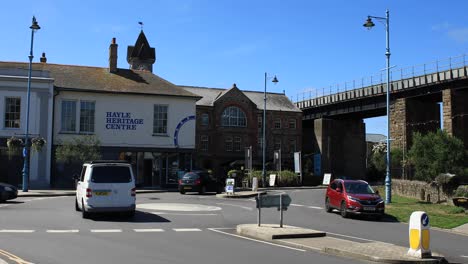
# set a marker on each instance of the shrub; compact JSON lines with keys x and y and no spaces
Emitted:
{"x":78,"y":150}
{"x":462,"y":191}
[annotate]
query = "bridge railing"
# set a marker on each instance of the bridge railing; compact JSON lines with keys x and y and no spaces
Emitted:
{"x":380,"y":78}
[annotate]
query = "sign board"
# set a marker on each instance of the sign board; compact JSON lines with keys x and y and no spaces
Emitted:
{"x":326,"y":178}
{"x":297,"y":162}
{"x":254,"y":184}
{"x":268,"y":201}
{"x":230,"y":183}
{"x":272,"y":179}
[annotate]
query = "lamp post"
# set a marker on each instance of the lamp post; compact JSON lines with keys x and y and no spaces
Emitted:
{"x":275,"y":81}
{"x":27,"y":147}
{"x":369,"y":24}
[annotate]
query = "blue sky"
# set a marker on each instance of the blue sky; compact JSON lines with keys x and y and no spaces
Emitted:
{"x":307,"y":44}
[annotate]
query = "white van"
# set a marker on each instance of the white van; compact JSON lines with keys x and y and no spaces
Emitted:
{"x":105,"y":186}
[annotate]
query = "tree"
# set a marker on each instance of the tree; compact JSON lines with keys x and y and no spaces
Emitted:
{"x":436,"y":153}
{"x":78,"y":150}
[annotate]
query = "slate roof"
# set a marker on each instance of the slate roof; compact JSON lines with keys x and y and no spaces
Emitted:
{"x":141,"y":50}
{"x":275,"y":101}
{"x":376,"y":138}
{"x":96,"y":79}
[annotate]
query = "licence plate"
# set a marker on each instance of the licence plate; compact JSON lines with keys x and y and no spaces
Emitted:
{"x":368,"y":208}
{"x":187,"y":188}
{"x":101,"y":193}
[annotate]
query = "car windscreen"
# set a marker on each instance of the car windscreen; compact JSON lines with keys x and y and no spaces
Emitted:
{"x":358,"y":188}
{"x":191,"y":176}
{"x":111,"y":174}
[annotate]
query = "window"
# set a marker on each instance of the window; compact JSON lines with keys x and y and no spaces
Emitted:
{"x":160,"y":119}
{"x":277,"y":144}
{"x":111,"y":174}
{"x":292,"y":123}
{"x":228,"y":144}
{"x":12,"y":112}
{"x":204,"y":143}
{"x":87,"y":110}
{"x":260,"y":143}
{"x":68,"y":116}
{"x":233,"y":117}
{"x":260,"y":123}
{"x":237,"y":144}
{"x":205,"y":119}
{"x":292,"y":145}
{"x":277,"y":123}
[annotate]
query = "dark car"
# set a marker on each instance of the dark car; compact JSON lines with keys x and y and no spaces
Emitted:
{"x":199,"y":181}
{"x":354,"y":197}
{"x":7,"y":192}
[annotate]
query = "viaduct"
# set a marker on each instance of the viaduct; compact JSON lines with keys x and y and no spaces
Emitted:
{"x":333,"y":123}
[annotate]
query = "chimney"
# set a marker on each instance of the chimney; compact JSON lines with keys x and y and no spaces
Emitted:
{"x":43,"y":58}
{"x":113,"y":56}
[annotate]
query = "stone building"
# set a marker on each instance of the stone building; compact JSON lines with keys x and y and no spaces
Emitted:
{"x":230,"y":120}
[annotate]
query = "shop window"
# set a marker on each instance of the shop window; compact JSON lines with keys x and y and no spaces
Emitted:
{"x":12,"y":112}
{"x":160,"y":119}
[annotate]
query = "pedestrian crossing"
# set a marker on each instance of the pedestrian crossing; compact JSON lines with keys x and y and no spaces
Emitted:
{"x":97,"y":231}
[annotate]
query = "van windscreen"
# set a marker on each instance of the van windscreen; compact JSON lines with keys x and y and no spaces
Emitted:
{"x":111,"y":174}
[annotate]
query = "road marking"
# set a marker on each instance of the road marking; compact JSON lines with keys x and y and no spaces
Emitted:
{"x":14,"y":258}
{"x":235,"y":205}
{"x":300,"y":245}
{"x":106,"y":230}
{"x":363,"y":239}
{"x":251,"y":239}
{"x":16,"y":231}
{"x":186,"y":229}
{"x":148,"y":230}
{"x":314,"y":207}
{"x":62,"y":231}
{"x":298,"y":205}
{"x":463,"y":256}
{"x":164,"y":213}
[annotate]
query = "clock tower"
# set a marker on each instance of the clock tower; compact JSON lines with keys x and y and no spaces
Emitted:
{"x":141,"y":56}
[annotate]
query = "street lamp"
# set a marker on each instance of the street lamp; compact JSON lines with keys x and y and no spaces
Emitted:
{"x":275,"y":81}
{"x":26,"y":150}
{"x":369,"y":24}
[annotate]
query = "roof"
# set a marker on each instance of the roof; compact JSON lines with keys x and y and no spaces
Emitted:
{"x":96,"y":79}
{"x":376,"y":138}
{"x":275,"y":101}
{"x":141,"y":50}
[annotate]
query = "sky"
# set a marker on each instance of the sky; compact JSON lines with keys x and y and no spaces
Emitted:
{"x":307,"y":44}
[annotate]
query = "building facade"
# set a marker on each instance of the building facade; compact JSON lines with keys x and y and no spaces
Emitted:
{"x":230,"y":120}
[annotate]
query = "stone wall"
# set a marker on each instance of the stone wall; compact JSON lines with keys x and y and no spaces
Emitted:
{"x":420,"y":190}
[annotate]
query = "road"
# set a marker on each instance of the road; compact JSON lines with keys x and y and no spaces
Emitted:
{"x":168,"y":228}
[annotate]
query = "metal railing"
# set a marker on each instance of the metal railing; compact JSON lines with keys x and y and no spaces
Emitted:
{"x":379,"y":78}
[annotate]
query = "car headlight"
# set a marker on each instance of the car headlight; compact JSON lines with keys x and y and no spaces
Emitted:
{"x":8,"y":189}
{"x":379,"y":200}
{"x":353,"y":198}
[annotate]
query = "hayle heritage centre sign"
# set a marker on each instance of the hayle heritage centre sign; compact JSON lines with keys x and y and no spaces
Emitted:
{"x":122,"y":121}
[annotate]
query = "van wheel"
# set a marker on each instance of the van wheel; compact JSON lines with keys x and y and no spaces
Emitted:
{"x":343,"y":212}
{"x":77,"y":208}
{"x":83,"y":211}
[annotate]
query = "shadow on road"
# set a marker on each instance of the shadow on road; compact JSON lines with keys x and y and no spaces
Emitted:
{"x":12,"y":202}
{"x":140,"y":217}
{"x":386,"y":218}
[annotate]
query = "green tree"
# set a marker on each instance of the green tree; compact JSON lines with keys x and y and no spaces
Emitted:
{"x":78,"y":150}
{"x":436,"y":153}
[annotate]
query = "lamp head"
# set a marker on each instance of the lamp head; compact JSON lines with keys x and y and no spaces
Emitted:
{"x":275,"y":80}
{"x":369,"y":24}
{"x":34,"y":25}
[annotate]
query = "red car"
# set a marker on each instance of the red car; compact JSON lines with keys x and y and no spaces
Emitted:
{"x":354,"y":197}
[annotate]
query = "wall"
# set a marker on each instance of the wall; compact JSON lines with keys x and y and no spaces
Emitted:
{"x":420,"y":190}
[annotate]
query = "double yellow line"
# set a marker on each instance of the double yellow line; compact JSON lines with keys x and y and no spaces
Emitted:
{"x":14,"y":258}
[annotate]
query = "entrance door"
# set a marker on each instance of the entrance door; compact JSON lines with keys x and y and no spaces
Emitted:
{"x":148,"y":172}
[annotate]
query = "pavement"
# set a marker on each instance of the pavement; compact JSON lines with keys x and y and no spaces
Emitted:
{"x":300,"y":237}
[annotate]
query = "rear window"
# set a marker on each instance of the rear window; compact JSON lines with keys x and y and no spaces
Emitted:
{"x":191,"y":176}
{"x":111,"y":174}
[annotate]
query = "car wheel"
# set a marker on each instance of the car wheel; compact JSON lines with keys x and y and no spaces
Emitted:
{"x":83,"y":211}
{"x":202,"y":190}
{"x":77,"y":207}
{"x":343,"y":212}
{"x":182,"y":192}
{"x":327,"y":205}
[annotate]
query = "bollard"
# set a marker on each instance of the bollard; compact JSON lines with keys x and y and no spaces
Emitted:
{"x":419,"y":236}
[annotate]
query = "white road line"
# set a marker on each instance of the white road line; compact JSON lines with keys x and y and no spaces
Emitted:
{"x":314,"y":207}
{"x":297,"y":205}
{"x":63,"y":231}
{"x":259,"y":241}
{"x":148,"y":230}
{"x":186,"y":229}
{"x":16,"y":231}
{"x":235,"y":205}
{"x":106,"y":230}
{"x":164,"y":213}
{"x":463,"y":256}
{"x":363,"y":239}
{"x":300,"y":245}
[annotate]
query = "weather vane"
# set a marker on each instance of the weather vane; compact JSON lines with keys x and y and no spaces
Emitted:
{"x":141,"y":24}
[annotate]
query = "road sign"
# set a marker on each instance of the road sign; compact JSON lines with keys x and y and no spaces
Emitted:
{"x":269,"y":201}
{"x":230,"y":182}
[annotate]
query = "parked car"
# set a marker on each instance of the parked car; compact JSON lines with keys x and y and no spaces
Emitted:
{"x":7,"y":192}
{"x":105,"y":186}
{"x":199,"y":181}
{"x":353,"y":197}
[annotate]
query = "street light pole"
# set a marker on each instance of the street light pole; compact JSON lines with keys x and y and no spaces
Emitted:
{"x":369,"y":24}
{"x":27,"y":147}
{"x":275,"y":80}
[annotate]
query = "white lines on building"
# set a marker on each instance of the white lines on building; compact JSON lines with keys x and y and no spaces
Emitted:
{"x":148,"y":230}
{"x":16,"y":231}
{"x":106,"y":230}
{"x":62,"y":231}
{"x":186,"y":229}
